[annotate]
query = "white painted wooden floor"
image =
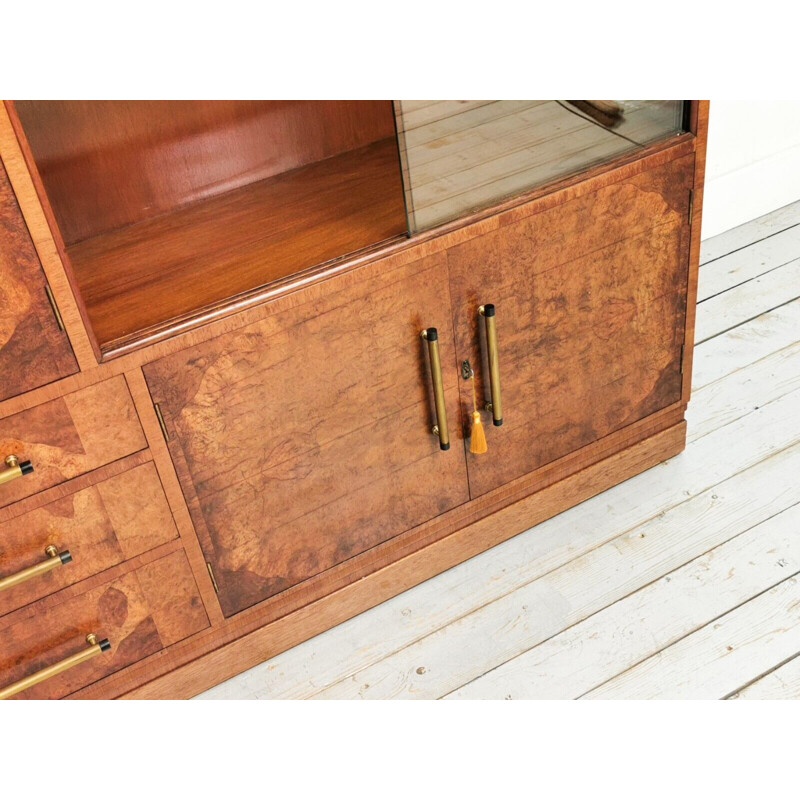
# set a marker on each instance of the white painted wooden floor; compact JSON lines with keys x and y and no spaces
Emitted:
{"x":683,"y":582}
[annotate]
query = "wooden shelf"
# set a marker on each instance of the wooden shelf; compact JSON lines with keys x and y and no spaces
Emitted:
{"x":177,"y":264}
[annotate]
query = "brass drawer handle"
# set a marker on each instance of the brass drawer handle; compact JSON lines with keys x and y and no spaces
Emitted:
{"x":496,"y":406}
{"x":431,"y":336}
{"x":15,"y":469}
{"x":94,"y":649}
{"x":54,"y":559}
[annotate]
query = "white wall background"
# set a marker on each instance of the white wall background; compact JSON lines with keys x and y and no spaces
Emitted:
{"x":753,"y":161}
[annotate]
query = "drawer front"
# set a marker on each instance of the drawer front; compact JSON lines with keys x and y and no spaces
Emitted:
{"x":100,"y":526}
{"x":69,"y":436}
{"x":33,"y":349}
{"x":305,"y":439}
{"x":590,"y":301}
{"x":140,"y":613}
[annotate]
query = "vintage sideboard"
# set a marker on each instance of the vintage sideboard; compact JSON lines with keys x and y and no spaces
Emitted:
{"x":243,"y":347}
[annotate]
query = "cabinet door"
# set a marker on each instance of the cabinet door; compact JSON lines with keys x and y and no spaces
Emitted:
{"x":33,"y":349}
{"x":590,"y":300}
{"x":305,"y":439}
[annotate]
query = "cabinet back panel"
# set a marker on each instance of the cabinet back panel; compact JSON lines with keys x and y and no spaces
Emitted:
{"x":108,"y":164}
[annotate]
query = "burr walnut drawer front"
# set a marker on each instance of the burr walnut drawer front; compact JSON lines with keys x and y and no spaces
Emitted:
{"x":63,"y":438}
{"x":57,"y":544}
{"x":304,"y":440}
{"x":44,"y":653}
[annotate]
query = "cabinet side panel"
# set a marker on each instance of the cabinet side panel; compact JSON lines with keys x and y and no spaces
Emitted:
{"x":33,"y":349}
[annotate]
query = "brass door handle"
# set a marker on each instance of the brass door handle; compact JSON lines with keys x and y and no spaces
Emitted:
{"x":54,"y":559}
{"x":496,"y":406}
{"x":15,"y":469}
{"x":431,"y":336}
{"x":96,"y":646}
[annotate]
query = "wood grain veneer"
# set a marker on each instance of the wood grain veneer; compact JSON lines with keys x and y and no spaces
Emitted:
{"x":107,"y":164}
{"x":33,"y":349}
{"x":178,"y":263}
{"x":590,"y":302}
{"x":101,"y":525}
{"x":70,"y":435}
{"x":36,"y":211}
{"x":306,"y":439}
{"x":140,"y":612}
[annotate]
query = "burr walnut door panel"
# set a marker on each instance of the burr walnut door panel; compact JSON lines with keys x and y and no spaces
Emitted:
{"x":305,"y":439}
{"x":100,"y":526}
{"x":140,"y":612}
{"x":33,"y":349}
{"x":590,"y":299}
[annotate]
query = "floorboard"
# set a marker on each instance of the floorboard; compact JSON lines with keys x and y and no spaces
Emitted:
{"x":582,"y":657}
{"x":745,"y":344}
{"x":681,"y":582}
{"x":751,"y":262}
{"x":749,"y":300}
{"x":752,"y":232}
{"x":747,"y":389}
{"x":781,"y":683}
{"x":717,"y":659}
{"x":500,"y":631}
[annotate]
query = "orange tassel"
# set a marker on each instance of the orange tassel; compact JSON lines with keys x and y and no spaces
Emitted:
{"x":477,"y":439}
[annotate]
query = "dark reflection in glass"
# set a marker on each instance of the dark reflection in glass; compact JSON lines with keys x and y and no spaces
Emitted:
{"x":462,"y":155}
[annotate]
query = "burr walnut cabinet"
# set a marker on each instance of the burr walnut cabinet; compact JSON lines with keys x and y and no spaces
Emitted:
{"x":264,"y":364}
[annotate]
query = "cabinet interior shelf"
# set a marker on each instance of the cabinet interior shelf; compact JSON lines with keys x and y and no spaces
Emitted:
{"x":178,"y":263}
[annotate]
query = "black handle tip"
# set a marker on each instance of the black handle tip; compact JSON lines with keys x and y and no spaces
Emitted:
{"x":497,"y":422}
{"x":104,"y":645}
{"x":488,"y":310}
{"x":444,"y":446}
{"x":26,"y":467}
{"x":65,"y":557}
{"x":431,"y":334}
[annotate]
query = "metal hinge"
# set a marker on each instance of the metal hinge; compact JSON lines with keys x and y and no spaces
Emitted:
{"x":211,"y":575}
{"x":691,"y":205}
{"x":161,"y":422}
{"x":56,"y":313}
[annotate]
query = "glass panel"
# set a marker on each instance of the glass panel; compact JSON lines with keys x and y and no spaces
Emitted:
{"x":463,"y":155}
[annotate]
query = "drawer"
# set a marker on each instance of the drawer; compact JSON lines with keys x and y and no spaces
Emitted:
{"x":69,"y":436}
{"x":590,"y":301}
{"x":33,"y":349}
{"x":140,"y":613}
{"x":100,"y":526}
{"x":304,"y":440}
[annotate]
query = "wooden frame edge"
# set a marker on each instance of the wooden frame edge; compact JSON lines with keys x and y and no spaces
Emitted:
{"x":699,"y":126}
